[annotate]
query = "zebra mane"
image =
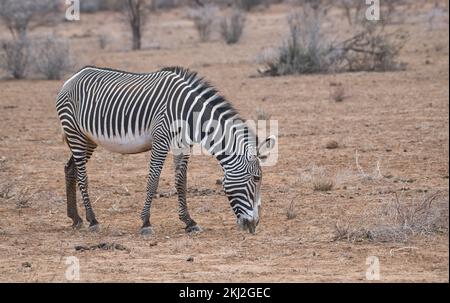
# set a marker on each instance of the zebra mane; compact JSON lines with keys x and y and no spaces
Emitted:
{"x":202,"y":85}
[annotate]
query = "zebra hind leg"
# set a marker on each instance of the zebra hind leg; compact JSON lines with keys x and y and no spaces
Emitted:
{"x":81,"y":157}
{"x":181,"y":162}
{"x":71,"y":181}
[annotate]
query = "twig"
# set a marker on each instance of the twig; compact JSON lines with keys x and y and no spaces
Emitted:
{"x":391,"y":252}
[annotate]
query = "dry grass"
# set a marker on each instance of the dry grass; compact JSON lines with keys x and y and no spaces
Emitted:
{"x":323,"y":183}
{"x":399,"y":219}
{"x":338,"y":94}
{"x":290,"y":212}
{"x":22,"y":198}
{"x":262,"y":115}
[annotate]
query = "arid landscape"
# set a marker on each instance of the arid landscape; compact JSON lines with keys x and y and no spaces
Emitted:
{"x":384,"y":142}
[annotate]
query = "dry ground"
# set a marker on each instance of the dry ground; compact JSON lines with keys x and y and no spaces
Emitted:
{"x":398,"y":118}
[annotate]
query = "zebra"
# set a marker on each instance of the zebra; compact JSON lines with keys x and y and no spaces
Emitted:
{"x":131,"y":113}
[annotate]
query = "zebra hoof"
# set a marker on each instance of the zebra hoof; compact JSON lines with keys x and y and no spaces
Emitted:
{"x":77,"y":224}
{"x":194,"y":229}
{"x":146,"y":231}
{"x":94,"y":228}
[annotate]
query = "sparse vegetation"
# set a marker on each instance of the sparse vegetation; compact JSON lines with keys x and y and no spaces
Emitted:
{"x":399,"y":219}
{"x":15,"y":57}
{"x":323,"y":183}
{"x":307,"y":50}
{"x":290,"y":212}
{"x":337,"y":94}
{"x":204,"y":18}
{"x":19,"y":16}
{"x":320,"y":180}
{"x":232,"y":26}
{"x":103,"y":40}
{"x":53,"y":58}
{"x":248,"y":4}
{"x":136,"y":13}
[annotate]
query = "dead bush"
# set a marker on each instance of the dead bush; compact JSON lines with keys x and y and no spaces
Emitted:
{"x":203,"y":18}
{"x":19,"y":16}
{"x":307,"y":50}
{"x":53,"y":58}
{"x":15,"y":57}
{"x":399,"y":219}
{"x":370,"y":50}
{"x":232,"y":26}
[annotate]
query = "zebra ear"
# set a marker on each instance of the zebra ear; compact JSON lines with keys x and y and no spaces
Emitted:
{"x":266,"y":146}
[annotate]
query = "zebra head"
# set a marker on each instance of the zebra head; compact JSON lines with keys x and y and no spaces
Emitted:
{"x":242,"y":185}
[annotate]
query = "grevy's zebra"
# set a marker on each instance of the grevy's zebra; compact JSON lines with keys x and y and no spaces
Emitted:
{"x":131,"y":113}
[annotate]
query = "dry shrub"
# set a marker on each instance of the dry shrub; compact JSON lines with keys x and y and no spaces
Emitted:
{"x":323,"y":183}
{"x":372,"y":49}
{"x":320,"y":180}
{"x":399,"y":219}
{"x":232,"y":26}
{"x":53,"y":58}
{"x":204,"y":17}
{"x":307,"y":50}
{"x":15,"y":57}
{"x":103,"y":40}
{"x":337,"y":93}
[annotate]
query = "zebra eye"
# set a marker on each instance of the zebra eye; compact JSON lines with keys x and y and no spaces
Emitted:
{"x":256,"y":178}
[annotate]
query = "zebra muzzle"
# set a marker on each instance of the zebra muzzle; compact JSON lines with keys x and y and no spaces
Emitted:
{"x":249,"y":225}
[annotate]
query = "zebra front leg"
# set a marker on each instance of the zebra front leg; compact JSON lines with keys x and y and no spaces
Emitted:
{"x":158,"y":156}
{"x":181,"y":162}
{"x":71,"y":193}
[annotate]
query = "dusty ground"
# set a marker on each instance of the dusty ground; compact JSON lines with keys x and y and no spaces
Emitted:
{"x":400,"y":119}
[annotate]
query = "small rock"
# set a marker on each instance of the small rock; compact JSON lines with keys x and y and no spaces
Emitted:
{"x":26,"y":264}
{"x":332,"y":144}
{"x":190,"y":259}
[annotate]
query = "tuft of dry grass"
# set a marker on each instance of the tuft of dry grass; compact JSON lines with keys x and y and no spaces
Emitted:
{"x":323,"y":184}
{"x":338,"y":94}
{"x":6,"y":191}
{"x":399,"y":219}
{"x":262,"y":115}
{"x":290,"y":212}
{"x":22,"y":198}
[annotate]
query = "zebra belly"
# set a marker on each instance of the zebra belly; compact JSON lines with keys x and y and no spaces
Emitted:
{"x":129,"y":144}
